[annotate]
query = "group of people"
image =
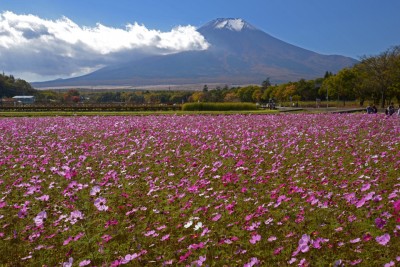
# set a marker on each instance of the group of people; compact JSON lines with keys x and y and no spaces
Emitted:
{"x":372,"y":110}
{"x":390,"y":110}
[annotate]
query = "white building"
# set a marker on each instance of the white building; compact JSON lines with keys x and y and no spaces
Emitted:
{"x":25,"y":99}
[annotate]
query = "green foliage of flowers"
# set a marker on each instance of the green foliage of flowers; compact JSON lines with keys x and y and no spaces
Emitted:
{"x":237,"y":190}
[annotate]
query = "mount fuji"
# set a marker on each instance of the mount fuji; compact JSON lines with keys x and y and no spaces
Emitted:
{"x":239,"y":53}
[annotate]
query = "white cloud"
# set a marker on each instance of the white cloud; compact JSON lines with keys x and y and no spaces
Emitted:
{"x":44,"y":49}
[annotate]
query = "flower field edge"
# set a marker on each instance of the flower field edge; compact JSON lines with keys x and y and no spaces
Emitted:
{"x":237,"y":190}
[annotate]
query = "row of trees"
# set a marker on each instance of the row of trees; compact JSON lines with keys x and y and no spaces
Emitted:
{"x":114,"y":96}
{"x":374,"y":78}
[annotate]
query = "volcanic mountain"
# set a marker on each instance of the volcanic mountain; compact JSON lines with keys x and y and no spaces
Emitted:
{"x":239,"y":53}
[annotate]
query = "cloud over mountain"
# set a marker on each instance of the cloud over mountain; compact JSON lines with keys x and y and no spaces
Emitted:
{"x":36,"y":48}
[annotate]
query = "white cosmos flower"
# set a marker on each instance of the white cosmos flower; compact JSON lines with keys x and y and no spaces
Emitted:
{"x":188,"y":224}
{"x":198,"y":226}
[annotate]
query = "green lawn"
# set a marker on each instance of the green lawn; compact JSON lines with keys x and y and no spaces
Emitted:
{"x":126,"y":113}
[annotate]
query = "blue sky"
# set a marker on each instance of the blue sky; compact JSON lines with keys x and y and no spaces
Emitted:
{"x":347,"y":27}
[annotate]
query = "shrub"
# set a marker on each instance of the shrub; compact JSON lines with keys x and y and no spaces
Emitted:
{"x":218,"y":106}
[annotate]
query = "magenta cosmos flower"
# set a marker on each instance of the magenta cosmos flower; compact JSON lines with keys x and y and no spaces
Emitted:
{"x":100,"y":204}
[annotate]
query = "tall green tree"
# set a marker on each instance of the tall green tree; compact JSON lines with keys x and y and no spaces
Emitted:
{"x":266,"y":83}
{"x":246,"y":93}
{"x":9,"y":87}
{"x":381,"y":72}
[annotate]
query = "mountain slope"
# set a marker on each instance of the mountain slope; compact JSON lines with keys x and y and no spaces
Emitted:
{"x":239,"y":53}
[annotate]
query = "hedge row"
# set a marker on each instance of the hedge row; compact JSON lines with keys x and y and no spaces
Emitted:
{"x":218,"y":106}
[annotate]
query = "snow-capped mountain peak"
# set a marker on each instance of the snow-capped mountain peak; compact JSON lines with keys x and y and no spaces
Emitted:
{"x":233,"y":24}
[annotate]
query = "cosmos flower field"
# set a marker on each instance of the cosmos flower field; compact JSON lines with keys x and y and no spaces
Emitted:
{"x":237,"y":190}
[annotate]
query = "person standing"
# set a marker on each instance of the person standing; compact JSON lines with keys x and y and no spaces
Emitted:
{"x":390,"y":110}
{"x":369,"y":109}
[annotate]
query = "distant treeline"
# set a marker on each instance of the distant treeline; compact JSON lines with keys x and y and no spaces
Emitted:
{"x":375,"y":79}
{"x":9,"y":86}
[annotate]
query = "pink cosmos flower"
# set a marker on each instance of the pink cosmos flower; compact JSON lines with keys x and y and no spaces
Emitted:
{"x":67,"y":241}
{"x":166,"y":237}
{"x":106,"y":238}
{"x":365,"y":187}
{"x":84,"y":263}
{"x":161,"y":227}
{"x":95,"y":190}
{"x":110,"y":223}
{"x":255,"y":238}
{"x":303,"y":262}
{"x":116,"y":263}
{"x":367,"y":237}
{"x":78,"y":236}
{"x":216,"y":217}
{"x":396,"y":206}
{"x":128,"y":258}
{"x":43,"y":198}
{"x":278,"y":250}
{"x":199,"y":262}
{"x":100,"y":204}
{"x":389,"y":264}
{"x":303,"y":243}
{"x":34,"y":236}
{"x":196,"y":246}
{"x":360,"y":203}
{"x":253,"y":261}
{"x":317,"y":243}
{"x":40,"y":218}
{"x":380,"y":223}
{"x":205,"y":231}
{"x":228,"y":241}
{"x":202,"y":259}
{"x":185,"y":256}
{"x":150,"y":233}
{"x":383,"y":239}
{"x":355,"y":262}
{"x":23,"y":212}
{"x":355,"y":240}
{"x":68,"y":263}
{"x":75,"y":216}
{"x":234,"y":238}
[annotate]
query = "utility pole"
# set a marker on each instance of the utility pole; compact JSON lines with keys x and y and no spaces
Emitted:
{"x":327,"y":97}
